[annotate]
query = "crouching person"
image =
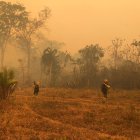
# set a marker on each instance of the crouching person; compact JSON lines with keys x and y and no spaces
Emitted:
{"x":36,"y":88}
{"x":105,"y":87}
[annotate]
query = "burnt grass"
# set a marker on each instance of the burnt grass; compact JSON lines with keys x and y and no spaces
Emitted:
{"x":70,"y":114}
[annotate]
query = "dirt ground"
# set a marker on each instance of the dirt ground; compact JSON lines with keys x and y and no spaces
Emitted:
{"x":70,"y":114}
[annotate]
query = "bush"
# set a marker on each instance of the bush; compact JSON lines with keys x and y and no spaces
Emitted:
{"x":7,"y":83}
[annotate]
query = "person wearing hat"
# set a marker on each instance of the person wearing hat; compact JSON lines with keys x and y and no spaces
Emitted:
{"x":105,"y":87}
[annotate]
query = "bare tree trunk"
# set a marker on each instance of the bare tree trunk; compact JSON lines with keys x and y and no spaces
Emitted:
{"x":2,"y":58}
{"x":23,"y":75}
{"x":41,"y":78}
{"x":3,"y":55}
{"x":41,"y":73}
{"x":50,"y":74}
{"x":4,"y":44}
{"x":29,"y":61}
{"x":117,"y":43}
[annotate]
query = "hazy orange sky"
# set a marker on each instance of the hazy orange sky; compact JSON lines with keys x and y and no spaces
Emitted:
{"x":82,"y":22}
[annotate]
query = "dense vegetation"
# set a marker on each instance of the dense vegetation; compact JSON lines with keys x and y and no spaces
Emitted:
{"x":7,"y":83}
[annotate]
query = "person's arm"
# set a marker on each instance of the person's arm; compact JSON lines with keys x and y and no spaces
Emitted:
{"x":108,"y":86}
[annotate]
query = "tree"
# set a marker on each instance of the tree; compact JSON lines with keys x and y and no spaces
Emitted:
{"x":125,"y":74}
{"x":116,"y":44}
{"x":127,"y":52}
{"x":64,"y":58}
{"x":50,"y":64}
{"x":66,"y":63}
{"x":26,"y":34}
{"x":12,"y":18}
{"x":89,"y":58}
{"x":136,"y":46}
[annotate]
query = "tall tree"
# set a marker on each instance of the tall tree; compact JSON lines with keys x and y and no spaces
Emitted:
{"x":89,"y":58}
{"x":64,"y":58}
{"x":28,"y":31}
{"x":50,"y":64}
{"x":116,"y":44}
{"x":136,"y":46}
{"x":12,"y":18}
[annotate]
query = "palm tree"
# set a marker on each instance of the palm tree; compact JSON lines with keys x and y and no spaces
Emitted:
{"x":7,"y":83}
{"x":50,"y":63}
{"x":64,"y":58}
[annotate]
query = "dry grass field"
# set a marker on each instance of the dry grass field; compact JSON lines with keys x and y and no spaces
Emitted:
{"x":68,"y":114}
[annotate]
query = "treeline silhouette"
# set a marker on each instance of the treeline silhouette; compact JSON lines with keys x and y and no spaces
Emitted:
{"x":122,"y":69}
{"x":45,"y":62}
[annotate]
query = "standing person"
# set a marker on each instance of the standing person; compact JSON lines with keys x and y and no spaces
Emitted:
{"x":36,"y":88}
{"x":105,"y":87}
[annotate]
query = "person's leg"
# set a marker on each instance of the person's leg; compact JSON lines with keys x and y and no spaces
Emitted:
{"x":105,"y":94}
{"x":35,"y":93}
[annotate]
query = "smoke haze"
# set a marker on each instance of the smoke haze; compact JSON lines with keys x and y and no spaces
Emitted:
{"x":81,"y":22}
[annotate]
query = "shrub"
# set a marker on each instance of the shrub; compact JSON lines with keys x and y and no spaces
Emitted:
{"x":7,"y":83}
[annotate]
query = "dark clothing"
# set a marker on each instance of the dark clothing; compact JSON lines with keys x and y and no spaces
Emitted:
{"x":104,"y":90}
{"x":36,"y":89}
